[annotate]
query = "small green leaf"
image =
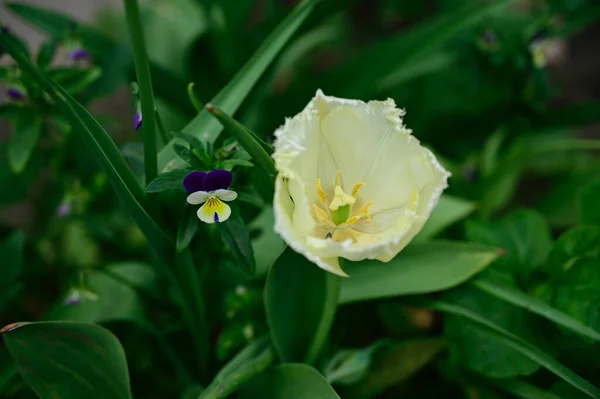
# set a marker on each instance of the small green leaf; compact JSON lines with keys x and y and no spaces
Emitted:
{"x":256,"y":147}
{"x":26,"y":132}
{"x":236,"y":236}
{"x":349,"y":366}
{"x":524,"y":235}
{"x":252,"y":360}
{"x":577,"y":243}
{"x":118,"y":300}
{"x":394,"y":365}
{"x":75,"y":80}
{"x":575,"y":292}
{"x":188,"y":227}
{"x":66,"y":360}
{"x":299,"y":298}
{"x":46,"y":54}
{"x":589,"y":210}
{"x":418,"y":269}
{"x":289,"y":381}
{"x":169,"y":181}
{"x":448,"y":211}
{"x":231,"y":163}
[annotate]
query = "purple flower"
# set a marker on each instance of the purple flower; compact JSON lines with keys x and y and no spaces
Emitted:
{"x":210,"y":189}
{"x":64,"y":209}
{"x":489,"y":38}
{"x":74,"y":298}
{"x":218,"y":179}
{"x":15,"y":94}
{"x":78,"y":54}
{"x":137,"y":121}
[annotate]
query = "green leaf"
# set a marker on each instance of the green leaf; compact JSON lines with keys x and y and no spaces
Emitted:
{"x":481,"y":351}
{"x":518,"y":298}
{"x":524,"y":235}
{"x":578,"y":243}
{"x":236,"y":236}
{"x":401,"y":52}
{"x":575,"y":292}
{"x":115,"y":285}
{"x":448,"y":211}
{"x":351,"y":365}
{"x":589,"y":210}
{"x":418,"y":269}
{"x":511,"y":340}
{"x":26,"y":132}
{"x":188,"y":227}
{"x":521,"y":389}
{"x":229,"y":164}
{"x":144,"y":81}
{"x":251,"y":361}
{"x":289,"y":381}
{"x":11,"y":252}
{"x":104,"y":150}
{"x":300,"y":301}
{"x":46,"y":54}
{"x":255,"y":146}
{"x":169,"y":181}
{"x":268,"y":245}
{"x":204,"y":126}
{"x":75,"y":80}
{"x":394,"y":366}
{"x":64,"y":360}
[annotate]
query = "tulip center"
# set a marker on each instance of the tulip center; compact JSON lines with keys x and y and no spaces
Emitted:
{"x":338,"y":216}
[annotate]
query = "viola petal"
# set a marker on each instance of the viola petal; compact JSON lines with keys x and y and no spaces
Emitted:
{"x":225,"y":195}
{"x":194,"y":181}
{"x":214,"y":211}
{"x":218,"y":179}
{"x":197,"y":198}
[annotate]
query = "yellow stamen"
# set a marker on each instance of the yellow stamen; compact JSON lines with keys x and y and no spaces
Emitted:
{"x":357,"y":187}
{"x":352,"y":220}
{"x":321,"y":215}
{"x":337,"y":177}
{"x":364,"y":212}
{"x":321,"y":192}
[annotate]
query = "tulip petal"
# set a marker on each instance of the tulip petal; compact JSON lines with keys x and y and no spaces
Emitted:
{"x":194,"y":181}
{"x":218,"y":179}
{"x":213,"y":211}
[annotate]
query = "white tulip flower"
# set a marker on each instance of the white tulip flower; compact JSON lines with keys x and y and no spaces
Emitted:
{"x":352,"y":181}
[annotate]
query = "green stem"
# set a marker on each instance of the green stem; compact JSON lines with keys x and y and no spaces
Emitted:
{"x":142,"y":71}
{"x":193,"y":99}
{"x":327,"y":318}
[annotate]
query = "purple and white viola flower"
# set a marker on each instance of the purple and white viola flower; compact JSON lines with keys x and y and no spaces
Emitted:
{"x":15,"y":94}
{"x":210,"y":189}
{"x":78,"y":54}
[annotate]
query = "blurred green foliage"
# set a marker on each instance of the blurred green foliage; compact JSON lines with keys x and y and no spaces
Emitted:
{"x":206,"y":312}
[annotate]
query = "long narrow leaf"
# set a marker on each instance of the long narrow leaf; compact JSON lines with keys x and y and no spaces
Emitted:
{"x":103,"y":149}
{"x":256,"y":147}
{"x":230,"y":98}
{"x":512,"y":341}
{"x":535,"y":305}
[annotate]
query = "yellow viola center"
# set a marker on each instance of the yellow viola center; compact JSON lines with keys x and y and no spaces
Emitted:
{"x":338,"y":215}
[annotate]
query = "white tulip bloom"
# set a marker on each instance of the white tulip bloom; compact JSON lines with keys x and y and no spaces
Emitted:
{"x":353,"y":182}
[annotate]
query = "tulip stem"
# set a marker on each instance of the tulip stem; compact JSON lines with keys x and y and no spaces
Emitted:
{"x":330,"y":304}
